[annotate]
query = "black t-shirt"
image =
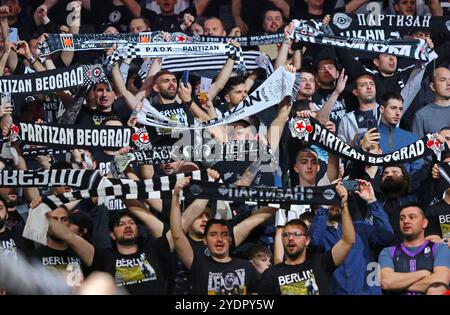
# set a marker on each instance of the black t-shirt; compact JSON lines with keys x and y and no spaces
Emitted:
{"x":144,"y":272}
{"x":89,"y":118}
{"x":167,"y":23}
{"x":312,"y":277}
{"x":175,"y":112}
{"x":11,"y":241}
{"x":339,"y":109}
{"x":439,"y":220}
{"x":209,"y":277}
{"x":59,"y":13}
{"x":105,"y":11}
{"x":300,"y":10}
{"x":65,"y":262}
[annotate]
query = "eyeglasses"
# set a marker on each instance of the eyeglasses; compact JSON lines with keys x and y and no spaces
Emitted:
{"x":294,"y":234}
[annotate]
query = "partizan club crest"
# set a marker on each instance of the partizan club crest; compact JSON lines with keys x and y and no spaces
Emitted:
{"x":141,"y":139}
{"x":300,"y":127}
{"x":434,"y":144}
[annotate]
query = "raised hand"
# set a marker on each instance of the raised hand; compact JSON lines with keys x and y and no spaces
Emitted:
{"x":6,"y":109}
{"x":365,"y":191}
{"x":185,"y":92}
{"x":181,"y":184}
{"x":215,"y":175}
{"x":370,"y":138}
{"x":342,"y":192}
{"x":341,"y":82}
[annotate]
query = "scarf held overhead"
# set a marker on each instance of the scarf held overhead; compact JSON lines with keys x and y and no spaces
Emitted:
{"x":33,"y":178}
{"x":274,"y":89}
{"x":78,"y":42}
{"x":252,"y":60}
{"x":404,"y":24}
{"x":320,"y":195}
{"x":52,"y":80}
{"x":70,"y":136}
{"x":316,"y":32}
{"x":313,"y":132}
{"x":214,"y":152}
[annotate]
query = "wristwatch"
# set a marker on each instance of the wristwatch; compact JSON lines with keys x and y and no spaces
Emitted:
{"x":32,"y":60}
{"x":78,"y":163}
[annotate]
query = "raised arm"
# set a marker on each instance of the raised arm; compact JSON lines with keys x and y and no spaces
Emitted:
{"x":200,"y":6}
{"x":4,"y":57}
{"x":354,"y":5}
{"x":284,"y":49}
{"x":31,"y":193}
{"x":382,"y":233}
{"x":130,"y":99}
{"x":79,"y":245}
{"x":182,"y":245}
{"x":323,"y":115}
{"x":23,"y":49}
{"x":75,"y":24}
{"x":243,"y":229}
{"x":153,"y":224}
{"x":223,"y":75}
{"x":278,"y":249}
{"x":236,"y":10}
{"x":133,"y":6}
{"x":435,"y":7}
{"x":341,"y":249}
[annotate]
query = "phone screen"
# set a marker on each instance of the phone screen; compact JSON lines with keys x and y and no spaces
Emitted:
{"x":5,"y":98}
{"x":350,"y":185}
{"x":185,"y":77}
{"x":13,"y":36}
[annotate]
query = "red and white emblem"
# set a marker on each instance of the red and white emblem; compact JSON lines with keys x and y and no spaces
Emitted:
{"x":434,"y":144}
{"x":300,"y":127}
{"x":141,"y":139}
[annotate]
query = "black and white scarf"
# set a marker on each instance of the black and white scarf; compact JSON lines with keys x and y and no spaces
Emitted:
{"x":32,"y":152}
{"x":36,"y":226}
{"x":375,"y":26}
{"x":32,"y":178}
{"x":208,"y":152}
{"x":315,"y":195}
{"x":313,"y":132}
{"x":315,"y":32}
{"x":107,"y":137}
{"x":252,"y":59}
{"x":52,"y":80}
{"x":155,"y":50}
{"x":274,"y":89}
{"x":78,"y":42}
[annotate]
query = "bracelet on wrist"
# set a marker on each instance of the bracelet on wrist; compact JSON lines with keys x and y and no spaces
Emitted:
{"x":32,"y":60}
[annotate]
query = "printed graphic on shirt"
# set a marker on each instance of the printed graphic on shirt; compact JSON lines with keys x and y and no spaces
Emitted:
{"x":53,"y":107}
{"x":9,"y":248}
{"x":228,"y":282}
{"x":104,"y":168}
{"x":70,"y":267}
{"x":98,"y":119}
{"x":444,"y":221}
{"x":176,"y":114}
{"x":300,"y":283}
{"x":133,"y":271}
